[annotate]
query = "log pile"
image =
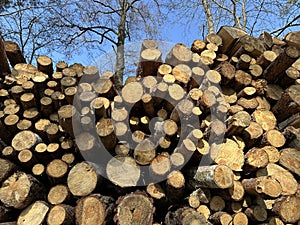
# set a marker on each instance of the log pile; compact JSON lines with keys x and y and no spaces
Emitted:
{"x":208,"y":135}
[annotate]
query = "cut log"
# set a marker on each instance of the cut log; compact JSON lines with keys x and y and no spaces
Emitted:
{"x":290,"y":159}
{"x":216,"y":176}
{"x":102,"y":208}
{"x":82,"y":179}
{"x":57,"y":171}
{"x":45,"y":65}
{"x":293,"y":39}
{"x":198,"y":46}
{"x":229,"y":35}
{"x":284,"y":177}
{"x":20,"y":190}
{"x":135,"y":208}
{"x":287,"y":209}
{"x":25,"y":140}
{"x":288,"y":104}
{"x":281,"y":63}
{"x":58,"y":194}
{"x":61,"y":214}
{"x":34,"y":214}
{"x":273,"y":138}
{"x":123,"y":171}
{"x":179,"y":54}
{"x":13,"y":53}
{"x":262,"y":185}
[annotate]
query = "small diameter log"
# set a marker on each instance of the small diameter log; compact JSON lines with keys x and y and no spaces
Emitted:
{"x":252,"y":134}
{"x":34,"y":214}
{"x":284,"y":177}
{"x":227,"y":71}
{"x":58,"y":194}
{"x":281,"y":63}
{"x":9,"y":153}
{"x":179,"y":54}
{"x":28,"y":100}
{"x":26,"y":158}
{"x":182,"y":73}
{"x":175,"y":186}
{"x":242,"y":79}
{"x":159,"y":168}
{"x":20,"y":190}
{"x":105,"y":130}
{"x":266,"y":59}
{"x":274,"y":138}
{"x":13,"y":53}
{"x":288,"y":209}
{"x":123,"y":171}
{"x":222,"y":218}
{"x":262,"y":185}
{"x":144,"y":152}
{"x":257,"y":213}
{"x":150,"y":60}
{"x":135,"y":208}
{"x":66,"y":114}
{"x":216,"y":176}
{"x":198,"y":46}
{"x":45,"y":65}
{"x":60,"y":66}
{"x":4,"y":70}
{"x":239,"y":219}
{"x":57,"y":171}
{"x":290,"y":159}
{"x":61,"y":215}
{"x":82,"y":179}
{"x":255,"y":158}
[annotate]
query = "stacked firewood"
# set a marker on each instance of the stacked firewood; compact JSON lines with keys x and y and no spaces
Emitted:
{"x":208,"y":135}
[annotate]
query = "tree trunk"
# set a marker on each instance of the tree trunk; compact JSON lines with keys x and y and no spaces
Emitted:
{"x":209,"y":18}
{"x":4,"y":69}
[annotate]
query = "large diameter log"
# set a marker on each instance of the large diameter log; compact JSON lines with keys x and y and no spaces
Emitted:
{"x":262,"y":185}
{"x":288,"y":104}
{"x":293,"y":39}
{"x":284,"y":177}
{"x":123,"y":171}
{"x":13,"y":53}
{"x":281,"y":63}
{"x":25,"y":140}
{"x":179,"y":54}
{"x":229,"y":35}
{"x":34,"y":214}
{"x":290,"y":159}
{"x":20,"y":190}
{"x":99,"y":213}
{"x":135,"y":208}
{"x":216,"y":176}
{"x":4,"y":69}
{"x":82,"y":179}
{"x":288,"y":209}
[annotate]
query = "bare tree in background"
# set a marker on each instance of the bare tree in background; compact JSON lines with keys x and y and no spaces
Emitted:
{"x":276,"y":16}
{"x":27,"y":24}
{"x":109,"y":22}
